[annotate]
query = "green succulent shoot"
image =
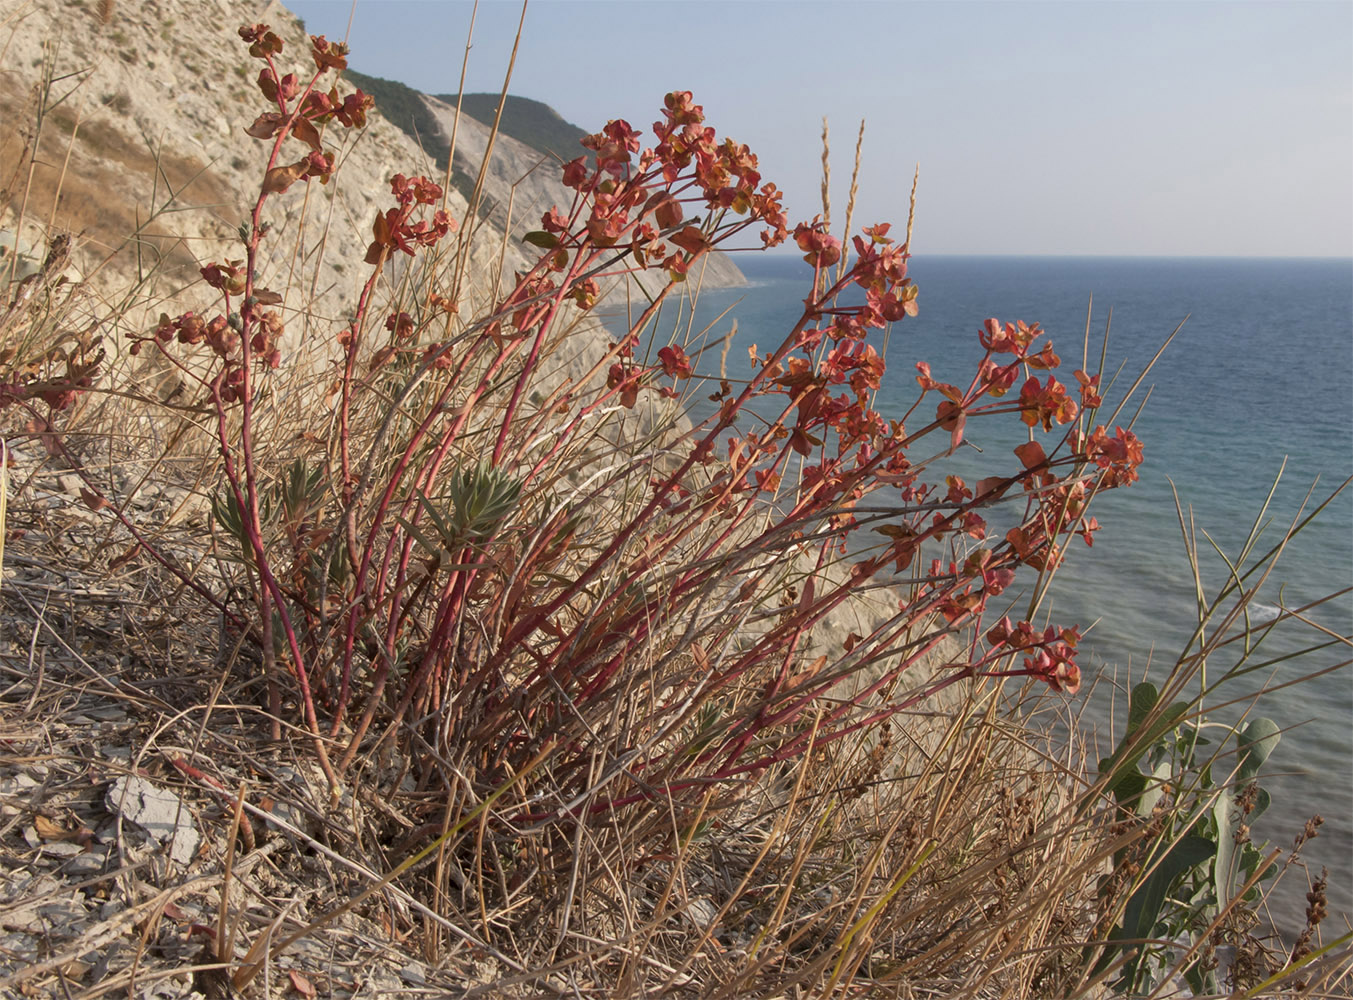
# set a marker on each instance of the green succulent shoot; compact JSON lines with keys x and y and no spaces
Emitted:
{"x":482,"y":499}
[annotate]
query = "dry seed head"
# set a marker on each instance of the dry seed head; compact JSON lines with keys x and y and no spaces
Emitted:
{"x":826,"y":178}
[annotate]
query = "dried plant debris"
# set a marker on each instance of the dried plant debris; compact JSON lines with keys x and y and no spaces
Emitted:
{"x":113,"y":847}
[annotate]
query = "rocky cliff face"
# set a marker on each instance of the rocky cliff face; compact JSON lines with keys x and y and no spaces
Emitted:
{"x":146,"y":106}
{"x":137,"y":112}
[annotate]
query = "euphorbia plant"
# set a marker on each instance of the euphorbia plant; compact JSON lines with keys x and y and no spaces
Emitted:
{"x":474,"y":561}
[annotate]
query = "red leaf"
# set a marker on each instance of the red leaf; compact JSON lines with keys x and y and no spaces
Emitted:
{"x":690,"y":239}
{"x":953,"y":419}
{"x":125,"y":558}
{"x":993,"y":485}
{"x":92,"y":500}
{"x":1031,"y":454}
{"x":173,"y":912}
{"x":380,"y":229}
{"x":956,"y":438}
{"x":300,"y":984}
{"x":668,"y":213}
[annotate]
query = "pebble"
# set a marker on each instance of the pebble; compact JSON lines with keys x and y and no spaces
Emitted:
{"x":62,"y":848}
{"x":159,"y":812}
{"x":89,"y":863}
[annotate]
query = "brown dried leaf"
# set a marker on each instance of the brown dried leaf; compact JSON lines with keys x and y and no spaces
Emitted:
{"x":306,"y":132}
{"x":50,"y":829}
{"x":278,"y":179}
{"x":266,"y":125}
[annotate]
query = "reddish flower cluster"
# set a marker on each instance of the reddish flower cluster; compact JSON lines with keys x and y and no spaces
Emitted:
{"x":400,"y":324}
{"x":635,"y":205}
{"x":1033,"y":546}
{"x":530,"y":301}
{"x":393,"y":228}
{"x":1090,"y":398}
{"x":1119,"y":456}
{"x":263,"y":42}
{"x":639,"y":205}
{"x":820,"y":248}
{"x":222,"y":335}
{"x":626,"y":381}
{"x":1046,"y":403}
{"x":301,"y":110}
{"x":962,"y":590}
{"x":1051,"y":654}
{"x":268,"y":332}
{"x":585,"y":293}
{"x":190,"y":328}
{"x":230,"y":277}
{"x":315,"y":110}
{"x":674,"y":362}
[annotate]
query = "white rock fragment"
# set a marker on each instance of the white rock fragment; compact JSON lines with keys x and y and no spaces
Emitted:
{"x":701,"y":912}
{"x":87,"y":864}
{"x":62,"y":848}
{"x":159,"y":812}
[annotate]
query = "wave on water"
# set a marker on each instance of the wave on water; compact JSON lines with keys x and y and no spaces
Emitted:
{"x":1263,"y":613}
{"x":1208,"y":432}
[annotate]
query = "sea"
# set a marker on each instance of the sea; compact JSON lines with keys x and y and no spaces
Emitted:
{"x":1247,"y":424}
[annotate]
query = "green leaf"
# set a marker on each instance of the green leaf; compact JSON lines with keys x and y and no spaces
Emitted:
{"x":1140,"y":703}
{"x":1144,"y":907}
{"x":542,"y":239}
{"x":228,"y":515}
{"x":428,"y":545}
{"x":483,"y":497}
{"x":1135,"y":744}
{"x":1223,"y":870}
{"x":444,"y":528}
{"x":1256,"y":742}
{"x":1129,"y":789}
{"x":1201,"y":981}
{"x":1153,"y":788}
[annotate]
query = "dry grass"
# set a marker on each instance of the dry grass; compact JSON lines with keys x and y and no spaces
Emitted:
{"x":944,"y":860}
{"x":958,"y":849}
{"x":905,"y":865}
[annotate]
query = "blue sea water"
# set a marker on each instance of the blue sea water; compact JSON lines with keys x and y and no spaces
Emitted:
{"x":1261,"y":374}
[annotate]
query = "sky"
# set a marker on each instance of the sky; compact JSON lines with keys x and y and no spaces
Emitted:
{"x":1137,"y":128}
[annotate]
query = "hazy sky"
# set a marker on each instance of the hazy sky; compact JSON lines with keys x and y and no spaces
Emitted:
{"x":1109,"y":128}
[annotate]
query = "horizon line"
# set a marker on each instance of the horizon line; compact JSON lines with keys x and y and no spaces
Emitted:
{"x":1062,"y":254}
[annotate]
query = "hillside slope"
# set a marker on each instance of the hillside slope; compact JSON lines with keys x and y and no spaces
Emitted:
{"x":532,"y":122}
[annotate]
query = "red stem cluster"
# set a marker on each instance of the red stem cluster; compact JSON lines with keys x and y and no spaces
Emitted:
{"x":508,"y":621}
